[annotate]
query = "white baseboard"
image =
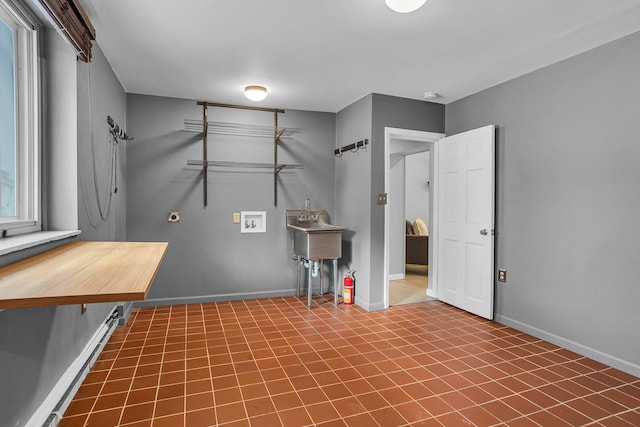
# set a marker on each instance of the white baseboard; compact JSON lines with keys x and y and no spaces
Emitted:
{"x":71,"y":379}
{"x":607,"y":359}
{"x":432,"y":293}
{"x":399,"y":276}
{"x":369,"y":307}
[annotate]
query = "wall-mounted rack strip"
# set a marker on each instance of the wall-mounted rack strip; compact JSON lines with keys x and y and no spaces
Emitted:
{"x":207,"y":127}
{"x":351,"y":147}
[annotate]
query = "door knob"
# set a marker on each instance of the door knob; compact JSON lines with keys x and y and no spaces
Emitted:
{"x":484,"y":232}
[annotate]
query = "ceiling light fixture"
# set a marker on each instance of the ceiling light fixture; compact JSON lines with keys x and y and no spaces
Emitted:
{"x":405,"y":6}
{"x":255,"y":92}
{"x":430,"y":95}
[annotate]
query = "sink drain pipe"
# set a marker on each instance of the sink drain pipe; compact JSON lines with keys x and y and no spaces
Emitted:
{"x":313,"y":265}
{"x":314,"y":268}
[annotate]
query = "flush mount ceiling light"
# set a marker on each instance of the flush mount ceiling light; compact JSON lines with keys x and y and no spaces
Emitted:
{"x":255,"y":92}
{"x":405,"y":6}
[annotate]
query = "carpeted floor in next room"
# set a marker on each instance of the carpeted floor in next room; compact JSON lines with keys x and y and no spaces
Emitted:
{"x":273,"y":362}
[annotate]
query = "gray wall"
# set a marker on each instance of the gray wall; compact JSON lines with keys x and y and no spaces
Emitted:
{"x":352,"y":192}
{"x":37,"y":345}
{"x":208,"y":258}
{"x":360,"y":177}
{"x":389,"y":111}
{"x":97,"y":83}
{"x":417,"y":189}
{"x":397,"y":227}
{"x":568,"y":204}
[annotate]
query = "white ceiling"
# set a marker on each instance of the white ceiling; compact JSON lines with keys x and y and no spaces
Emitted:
{"x":325,"y":54}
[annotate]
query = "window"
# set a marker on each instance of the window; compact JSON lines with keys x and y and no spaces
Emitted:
{"x":7,"y":123}
{"x":19,"y":122}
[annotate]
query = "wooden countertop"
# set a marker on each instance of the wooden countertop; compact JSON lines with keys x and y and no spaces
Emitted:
{"x":82,"y":272}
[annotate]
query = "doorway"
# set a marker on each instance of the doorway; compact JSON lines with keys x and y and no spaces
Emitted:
{"x":407,"y":283}
{"x":409,"y":257}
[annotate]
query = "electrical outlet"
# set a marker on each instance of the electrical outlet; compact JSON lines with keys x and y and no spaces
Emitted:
{"x":83,"y":308}
{"x":382,"y":198}
{"x":236,"y":217}
{"x":502,"y":275}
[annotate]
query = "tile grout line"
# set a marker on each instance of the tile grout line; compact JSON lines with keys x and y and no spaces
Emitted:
{"x":162,"y":361}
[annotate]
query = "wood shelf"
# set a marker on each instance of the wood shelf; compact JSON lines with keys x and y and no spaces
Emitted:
{"x":82,"y":272}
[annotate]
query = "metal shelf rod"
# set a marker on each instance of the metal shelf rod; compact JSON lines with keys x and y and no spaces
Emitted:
{"x":238,"y":129}
{"x":247,"y":165}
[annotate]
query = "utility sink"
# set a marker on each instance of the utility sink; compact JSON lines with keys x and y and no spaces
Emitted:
{"x":313,"y":237}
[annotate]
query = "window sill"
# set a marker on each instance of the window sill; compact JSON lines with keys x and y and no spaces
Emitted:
{"x":25,"y":241}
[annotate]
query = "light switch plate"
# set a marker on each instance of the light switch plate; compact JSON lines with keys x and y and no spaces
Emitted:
{"x":236,"y":217}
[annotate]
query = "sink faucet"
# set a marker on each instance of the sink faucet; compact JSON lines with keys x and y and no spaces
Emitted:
{"x":307,"y":216}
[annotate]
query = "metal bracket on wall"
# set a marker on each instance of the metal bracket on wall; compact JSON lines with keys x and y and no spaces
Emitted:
{"x":205,"y":151}
{"x":351,"y":147}
{"x":277,"y":134}
{"x":117,"y":131}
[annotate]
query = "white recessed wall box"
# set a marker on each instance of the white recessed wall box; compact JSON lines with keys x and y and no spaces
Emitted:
{"x":253,"y":222}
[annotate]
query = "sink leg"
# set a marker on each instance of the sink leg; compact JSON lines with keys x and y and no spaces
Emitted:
{"x":310,"y":291}
{"x":335,"y":281}
{"x":321,"y":268}
{"x":298,"y":263}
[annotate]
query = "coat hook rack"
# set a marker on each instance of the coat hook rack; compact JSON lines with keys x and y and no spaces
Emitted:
{"x":351,"y":147}
{"x":117,"y":131}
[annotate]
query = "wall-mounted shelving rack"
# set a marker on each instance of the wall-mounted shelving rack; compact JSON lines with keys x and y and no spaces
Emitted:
{"x":207,"y":127}
{"x":239,"y":129}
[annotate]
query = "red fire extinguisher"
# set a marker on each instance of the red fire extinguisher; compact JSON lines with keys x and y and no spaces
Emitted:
{"x":349,"y":284}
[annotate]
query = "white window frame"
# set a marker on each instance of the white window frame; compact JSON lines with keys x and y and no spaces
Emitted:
{"x":27,"y":111}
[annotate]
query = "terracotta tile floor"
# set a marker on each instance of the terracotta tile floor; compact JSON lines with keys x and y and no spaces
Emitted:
{"x":272,"y":362}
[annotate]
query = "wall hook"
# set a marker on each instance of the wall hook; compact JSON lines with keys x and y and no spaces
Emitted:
{"x":351,"y":147}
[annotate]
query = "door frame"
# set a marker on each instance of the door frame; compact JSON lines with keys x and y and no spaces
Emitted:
{"x":429,"y":138}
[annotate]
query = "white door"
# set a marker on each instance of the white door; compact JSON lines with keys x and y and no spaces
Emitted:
{"x":465,"y":220}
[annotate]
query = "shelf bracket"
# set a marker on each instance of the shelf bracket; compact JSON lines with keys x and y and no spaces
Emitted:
{"x":205,"y":151}
{"x":276,"y":136}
